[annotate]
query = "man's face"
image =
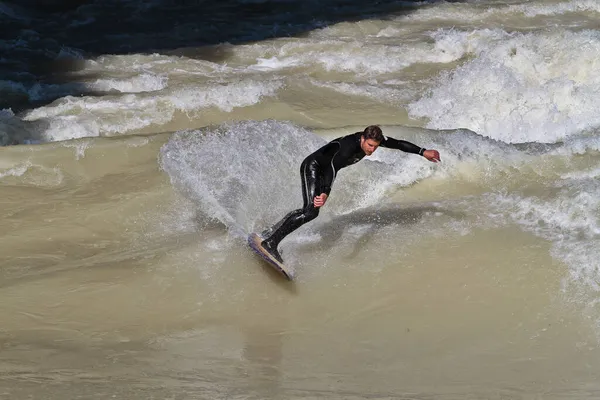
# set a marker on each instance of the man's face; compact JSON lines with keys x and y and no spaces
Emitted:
{"x":368,"y":145}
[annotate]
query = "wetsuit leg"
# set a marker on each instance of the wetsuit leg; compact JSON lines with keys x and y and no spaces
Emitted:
{"x":311,"y":187}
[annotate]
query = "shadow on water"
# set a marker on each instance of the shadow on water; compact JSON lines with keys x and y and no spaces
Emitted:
{"x":44,"y":39}
{"x":374,"y":220}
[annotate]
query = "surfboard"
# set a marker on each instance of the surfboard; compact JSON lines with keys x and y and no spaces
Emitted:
{"x":254,"y":242}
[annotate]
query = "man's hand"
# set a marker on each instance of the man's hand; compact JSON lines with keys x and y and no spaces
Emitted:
{"x":432,"y":155}
{"x":320,"y":200}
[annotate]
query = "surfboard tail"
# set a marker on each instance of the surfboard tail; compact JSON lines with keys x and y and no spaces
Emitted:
{"x":254,"y":241}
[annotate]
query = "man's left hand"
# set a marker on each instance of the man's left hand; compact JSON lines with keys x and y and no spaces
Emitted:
{"x":320,"y":200}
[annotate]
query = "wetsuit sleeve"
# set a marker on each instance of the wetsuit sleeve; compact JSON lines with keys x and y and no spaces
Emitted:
{"x":403,"y":145}
{"x":329,"y":171}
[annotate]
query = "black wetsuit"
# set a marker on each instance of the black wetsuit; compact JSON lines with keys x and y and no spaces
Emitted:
{"x":318,"y":172}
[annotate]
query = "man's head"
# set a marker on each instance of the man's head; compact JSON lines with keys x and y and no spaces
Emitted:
{"x":370,"y":139}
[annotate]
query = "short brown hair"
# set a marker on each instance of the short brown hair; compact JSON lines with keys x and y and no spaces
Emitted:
{"x":373,"y":132}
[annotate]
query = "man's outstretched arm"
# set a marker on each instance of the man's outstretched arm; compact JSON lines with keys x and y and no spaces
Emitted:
{"x":408,"y":147}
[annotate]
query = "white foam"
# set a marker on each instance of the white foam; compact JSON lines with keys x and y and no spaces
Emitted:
{"x":256,"y":185}
{"x":578,"y":145}
{"x":76,"y":117}
{"x":572,"y":214}
{"x":273,"y":63}
{"x":572,"y":6}
{"x":451,"y":12}
{"x":468,"y":13}
{"x":355,"y":56}
{"x":392,"y":92}
{"x":520,"y":87}
{"x":34,"y":175}
{"x":582,"y":175}
{"x":389,"y":31}
{"x":569,"y":219}
{"x":136,"y":84}
{"x":226,"y":97}
{"x":80,"y":147}
{"x":155,"y":64}
{"x":583,"y":259}
{"x":16,"y":171}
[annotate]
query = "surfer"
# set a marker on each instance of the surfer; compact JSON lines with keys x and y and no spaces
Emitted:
{"x":318,"y":172}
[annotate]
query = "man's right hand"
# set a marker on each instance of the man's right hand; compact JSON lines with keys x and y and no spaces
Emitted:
{"x":320,"y":200}
{"x":432,"y":155}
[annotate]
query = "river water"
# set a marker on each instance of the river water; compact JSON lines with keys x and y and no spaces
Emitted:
{"x":144,"y":140}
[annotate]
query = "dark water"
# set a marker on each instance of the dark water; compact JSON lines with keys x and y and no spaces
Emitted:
{"x":44,"y":42}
